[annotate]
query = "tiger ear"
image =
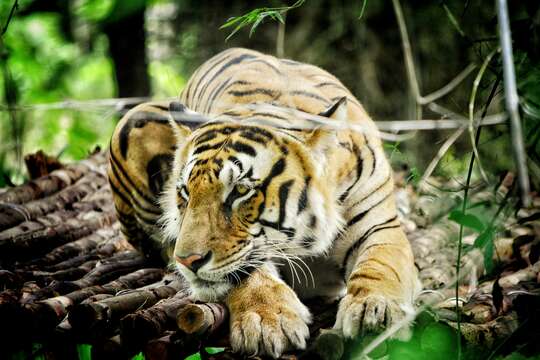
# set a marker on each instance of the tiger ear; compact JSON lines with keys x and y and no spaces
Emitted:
{"x":178,"y":113}
{"x":337,"y":111}
{"x":324,"y":138}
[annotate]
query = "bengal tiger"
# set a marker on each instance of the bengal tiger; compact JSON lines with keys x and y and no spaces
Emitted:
{"x":260,"y":206}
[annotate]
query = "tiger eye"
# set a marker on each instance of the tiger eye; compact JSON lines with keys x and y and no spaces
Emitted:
{"x":242,"y":189}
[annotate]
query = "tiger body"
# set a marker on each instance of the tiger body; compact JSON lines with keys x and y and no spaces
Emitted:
{"x":261,"y":208}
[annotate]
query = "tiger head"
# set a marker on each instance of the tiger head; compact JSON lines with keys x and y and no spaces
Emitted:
{"x":243,"y":196}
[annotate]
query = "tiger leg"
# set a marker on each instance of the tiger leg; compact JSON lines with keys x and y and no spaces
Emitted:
{"x":381,"y":286}
{"x":266,"y":316}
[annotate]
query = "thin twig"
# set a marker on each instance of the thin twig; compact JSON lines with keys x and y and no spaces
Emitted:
{"x":411,"y":71}
{"x":442,"y":150}
{"x":424,"y":100}
{"x":472,"y":99}
{"x":14,"y":7}
{"x":407,"y":52}
{"x":512,"y":101}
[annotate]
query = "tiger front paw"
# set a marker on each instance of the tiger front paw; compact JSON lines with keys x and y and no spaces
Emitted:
{"x":270,"y":330}
{"x":267,"y":318}
{"x":371,"y":313}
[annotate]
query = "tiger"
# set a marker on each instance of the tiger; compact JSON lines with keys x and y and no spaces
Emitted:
{"x":258,"y":188}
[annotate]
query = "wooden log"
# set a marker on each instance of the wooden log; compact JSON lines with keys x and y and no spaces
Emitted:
{"x":33,"y":238}
{"x":106,"y":270}
{"x":43,"y":278}
{"x":73,"y":262}
{"x":143,"y":325}
{"x":46,"y":314}
{"x":55,"y":181}
{"x":99,"y":319}
{"x":72,"y":249}
{"x":13,"y":214}
{"x":203,"y":318}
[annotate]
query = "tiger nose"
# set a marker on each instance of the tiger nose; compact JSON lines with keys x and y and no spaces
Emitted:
{"x":194,"y":261}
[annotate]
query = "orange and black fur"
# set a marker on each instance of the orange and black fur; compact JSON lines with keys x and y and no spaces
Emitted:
{"x":261,"y":206}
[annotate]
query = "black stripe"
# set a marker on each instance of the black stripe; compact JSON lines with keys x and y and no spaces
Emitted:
{"x":118,"y":168}
{"x":386,"y":180}
{"x":277,"y":169}
{"x":234,"y":61}
{"x":221,"y":89}
{"x":267,"y":64}
{"x":204,"y":148}
{"x":290,"y":232}
{"x":374,"y":229}
{"x":359,"y":164}
{"x":127,"y":198}
{"x":262,"y":132}
{"x":310,"y":95}
{"x":328,"y":83}
{"x":250,"y":135}
{"x":303,"y":201}
{"x":374,"y":158}
{"x":359,"y":216}
{"x":208,"y":71}
{"x":133,"y":204}
{"x":283,"y":195}
{"x":242,"y":148}
{"x":268,"y":92}
{"x":237,"y":162}
{"x":308,"y":241}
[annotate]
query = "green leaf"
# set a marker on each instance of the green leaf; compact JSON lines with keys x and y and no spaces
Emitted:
{"x":214,"y":350}
{"x":362,"y":10}
{"x":195,"y":356}
{"x":467,"y":220}
{"x":485,"y":237}
{"x":84,"y":351}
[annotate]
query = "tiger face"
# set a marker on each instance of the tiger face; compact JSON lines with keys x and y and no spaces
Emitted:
{"x":242,"y":196}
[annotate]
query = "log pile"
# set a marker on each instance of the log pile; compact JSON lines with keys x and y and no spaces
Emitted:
{"x":67,"y":275}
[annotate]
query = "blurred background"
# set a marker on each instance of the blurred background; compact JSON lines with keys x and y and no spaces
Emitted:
{"x":64,"y":63}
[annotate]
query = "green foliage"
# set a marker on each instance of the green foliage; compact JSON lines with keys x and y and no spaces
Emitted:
{"x":256,"y":16}
{"x":467,"y":220}
{"x":209,"y":350}
{"x":84,"y":351}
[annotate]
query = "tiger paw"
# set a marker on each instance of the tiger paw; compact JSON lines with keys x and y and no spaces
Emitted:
{"x":360,"y":315}
{"x":270,"y":329}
